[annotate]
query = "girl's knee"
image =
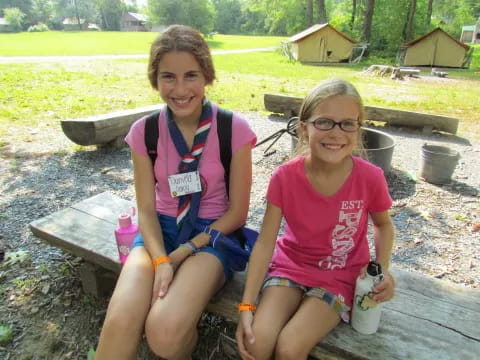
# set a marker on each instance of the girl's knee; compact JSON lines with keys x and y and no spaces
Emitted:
{"x":288,"y":349}
{"x":167,"y":337}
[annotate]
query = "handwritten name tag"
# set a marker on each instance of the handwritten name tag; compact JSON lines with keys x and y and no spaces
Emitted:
{"x":183,"y":184}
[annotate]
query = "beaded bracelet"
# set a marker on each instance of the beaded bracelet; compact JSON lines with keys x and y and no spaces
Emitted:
{"x":161,"y":260}
{"x":246,"y":306}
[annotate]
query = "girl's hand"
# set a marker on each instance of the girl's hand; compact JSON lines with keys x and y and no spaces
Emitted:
{"x":163,"y":279}
{"x":244,"y":333}
{"x":386,"y":289}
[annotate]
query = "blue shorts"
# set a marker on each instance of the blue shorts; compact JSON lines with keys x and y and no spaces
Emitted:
{"x":169,"y":228}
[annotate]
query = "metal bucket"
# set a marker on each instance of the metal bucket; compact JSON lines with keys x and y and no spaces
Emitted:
{"x":379,"y":148}
{"x":438,"y":163}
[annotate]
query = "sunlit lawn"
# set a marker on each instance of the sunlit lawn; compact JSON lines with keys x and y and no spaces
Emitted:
{"x":41,"y":94}
{"x":109,"y":43}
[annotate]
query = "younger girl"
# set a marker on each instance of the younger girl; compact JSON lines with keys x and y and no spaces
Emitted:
{"x":326,"y":197}
{"x":172,"y":271}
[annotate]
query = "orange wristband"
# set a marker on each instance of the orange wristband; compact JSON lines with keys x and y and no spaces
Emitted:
{"x":245,"y":306}
{"x":161,"y":260}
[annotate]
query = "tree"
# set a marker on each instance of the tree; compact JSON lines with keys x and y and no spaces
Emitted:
{"x":195,"y":13}
{"x":367,"y":24}
{"x":428,"y":18}
{"x":14,"y":18}
{"x":110,"y":12}
{"x":322,"y":12}
{"x":309,"y":12}
{"x":410,"y":23}
{"x":42,"y":11}
{"x":354,"y":10}
{"x":228,"y":16}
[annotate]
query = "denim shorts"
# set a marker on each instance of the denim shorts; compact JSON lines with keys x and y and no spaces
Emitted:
{"x":334,"y":301}
{"x":169,"y":228}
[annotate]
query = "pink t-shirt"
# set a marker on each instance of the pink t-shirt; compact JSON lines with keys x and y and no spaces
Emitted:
{"x":325,"y":242}
{"x":214,"y":202}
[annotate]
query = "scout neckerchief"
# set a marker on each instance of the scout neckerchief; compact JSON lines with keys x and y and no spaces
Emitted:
{"x":189,"y":204}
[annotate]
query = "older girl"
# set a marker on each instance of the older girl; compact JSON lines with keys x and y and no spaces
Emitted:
{"x":163,"y":289}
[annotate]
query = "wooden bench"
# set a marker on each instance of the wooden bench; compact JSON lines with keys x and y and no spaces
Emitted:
{"x":439,"y":73}
{"x":427,"y":319}
{"x":409,"y":71}
{"x":290,"y":106}
{"x":105,"y":129}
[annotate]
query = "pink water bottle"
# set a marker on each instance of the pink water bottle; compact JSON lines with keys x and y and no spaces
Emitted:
{"x":125,"y":233}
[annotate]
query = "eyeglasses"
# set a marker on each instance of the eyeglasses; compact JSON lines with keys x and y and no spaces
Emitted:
{"x":325,"y":124}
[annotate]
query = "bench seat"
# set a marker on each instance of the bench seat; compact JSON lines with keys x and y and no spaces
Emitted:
{"x":427,"y":319}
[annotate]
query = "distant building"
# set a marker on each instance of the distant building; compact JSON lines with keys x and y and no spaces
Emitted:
{"x":71,"y":24}
{"x":321,"y":43}
{"x":436,"y":48}
{"x":4,"y":27}
{"x":131,"y":21}
{"x":471,"y":33}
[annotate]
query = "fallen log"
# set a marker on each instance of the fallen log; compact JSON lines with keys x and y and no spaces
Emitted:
{"x":290,"y":106}
{"x":105,"y":129}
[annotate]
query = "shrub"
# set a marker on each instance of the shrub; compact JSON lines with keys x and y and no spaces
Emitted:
{"x":38,"y":28}
{"x":14,"y":18}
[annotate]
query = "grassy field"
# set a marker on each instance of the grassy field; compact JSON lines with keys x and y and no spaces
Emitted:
{"x":109,"y":43}
{"x":38,"y":95}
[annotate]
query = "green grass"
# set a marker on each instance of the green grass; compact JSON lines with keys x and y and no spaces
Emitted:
{"x":39,"y":95}
{"x":108,"y":43}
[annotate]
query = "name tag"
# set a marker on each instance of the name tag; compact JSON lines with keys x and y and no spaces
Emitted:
{"x":186,"y":183}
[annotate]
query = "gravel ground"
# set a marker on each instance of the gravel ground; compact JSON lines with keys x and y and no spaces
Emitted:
{"x":41,"y":297}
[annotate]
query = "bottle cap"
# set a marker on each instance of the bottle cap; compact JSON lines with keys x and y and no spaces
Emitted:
{"x":124,"y":220}
{"x":374,"y":268}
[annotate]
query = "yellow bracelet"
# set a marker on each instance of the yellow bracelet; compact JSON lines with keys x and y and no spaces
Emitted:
{"x":245,"y":306}
{"x":161,"y":260}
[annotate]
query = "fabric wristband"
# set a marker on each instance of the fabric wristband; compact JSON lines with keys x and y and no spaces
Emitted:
{"x":245,"y":306}
{"x":214,"y":234}
{"x":161,"y":260}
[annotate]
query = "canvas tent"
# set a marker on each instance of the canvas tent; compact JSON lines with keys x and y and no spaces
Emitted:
{"x":437,"y":48}
{"x":321,"y":43}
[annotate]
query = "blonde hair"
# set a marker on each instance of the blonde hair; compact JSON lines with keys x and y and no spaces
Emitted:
{"x":180,"y":38}
{"x":319,"y":94}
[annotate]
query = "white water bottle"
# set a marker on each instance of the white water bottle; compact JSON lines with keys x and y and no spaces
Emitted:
{"x":366,"y":312}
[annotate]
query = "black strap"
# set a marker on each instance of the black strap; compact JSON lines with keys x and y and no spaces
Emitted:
{"x":224,"y":133}
{"x":151,"y":135}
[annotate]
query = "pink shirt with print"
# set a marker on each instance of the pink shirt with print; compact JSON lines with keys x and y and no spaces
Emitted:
{"x":214,"y":201}
{"x":325,"y":242}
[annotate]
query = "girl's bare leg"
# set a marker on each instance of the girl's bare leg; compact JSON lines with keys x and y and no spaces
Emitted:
{"x":128,"y":309}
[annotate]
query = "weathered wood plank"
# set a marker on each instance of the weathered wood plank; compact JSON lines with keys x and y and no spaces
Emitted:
{"x":80,"y":234}
{"x":290,"y":106}
{"x":104,"y":128}
{"x":428,"y":318}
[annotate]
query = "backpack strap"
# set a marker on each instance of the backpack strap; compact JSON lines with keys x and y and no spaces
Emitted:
{"x":224,"y":133}
{"x":151,"y":135}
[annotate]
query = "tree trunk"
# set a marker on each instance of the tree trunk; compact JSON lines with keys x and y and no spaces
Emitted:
{"x":428,"y":19}
{"x":309,"y":12}
{"x":367,"y":25}
{"x":409,"y":28}
{"x":322,"y":12}
{"x":77,"y":15}
{"x":354,"y":11}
